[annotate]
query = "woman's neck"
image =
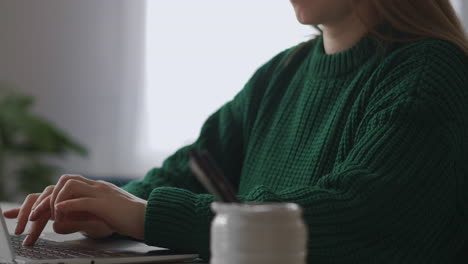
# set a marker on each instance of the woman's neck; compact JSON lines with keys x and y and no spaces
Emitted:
{"x":341,"y":35}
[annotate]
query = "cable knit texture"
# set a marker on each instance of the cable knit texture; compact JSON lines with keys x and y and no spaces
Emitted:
{"x":372,"y":142}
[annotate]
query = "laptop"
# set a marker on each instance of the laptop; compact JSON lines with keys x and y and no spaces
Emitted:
{"x":81,"y":250}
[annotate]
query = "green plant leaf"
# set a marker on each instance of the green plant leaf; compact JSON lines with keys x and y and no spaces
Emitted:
{"x":24,"y":131}
{"x":27,"y":137}
{"x":12,"y":101}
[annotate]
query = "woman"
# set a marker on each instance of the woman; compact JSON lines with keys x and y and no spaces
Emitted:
{"x":365,"y":127}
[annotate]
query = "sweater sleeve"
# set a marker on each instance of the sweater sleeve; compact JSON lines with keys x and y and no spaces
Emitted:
{"x":393,"y":197}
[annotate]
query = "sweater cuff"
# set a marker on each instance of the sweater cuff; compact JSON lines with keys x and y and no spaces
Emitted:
{"x":178,"y":219}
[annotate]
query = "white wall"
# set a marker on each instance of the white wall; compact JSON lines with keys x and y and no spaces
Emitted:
{"x":461,"y":6}
{"x":199,"y":55}
{"x":464,"y":13}
{"x":81,"y":59}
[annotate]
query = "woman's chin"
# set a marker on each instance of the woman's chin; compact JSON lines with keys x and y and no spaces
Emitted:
{"x":307,"y":20}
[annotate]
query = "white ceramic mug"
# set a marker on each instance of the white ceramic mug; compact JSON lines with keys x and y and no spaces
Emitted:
{"x":266,"y":233}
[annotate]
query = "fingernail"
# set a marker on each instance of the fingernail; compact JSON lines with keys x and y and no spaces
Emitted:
{"x":17,"y":230}
{"x":32,"y":216}
{"x":26,"y":241}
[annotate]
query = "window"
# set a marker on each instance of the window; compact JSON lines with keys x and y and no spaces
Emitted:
{"x":457,"y":5}
{"x":199,"y":55}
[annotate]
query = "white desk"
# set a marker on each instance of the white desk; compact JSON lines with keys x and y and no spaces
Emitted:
{"x":48,"y":231}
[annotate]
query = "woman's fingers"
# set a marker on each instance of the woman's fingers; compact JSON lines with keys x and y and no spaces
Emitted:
{"x":45,"y":194}
{"x":13,"y":213}
{"x":23,"y":214}
{"x":122,"y":212}
{"x":75,"y":189}
{"x":42,"y":203}
{"x":84,"y":205}
{"x":92,"y":228}
{"x":36,"y":230}
{"x":58,"y":187}
{"x":71,"y":189}
{"x":41,"y":208}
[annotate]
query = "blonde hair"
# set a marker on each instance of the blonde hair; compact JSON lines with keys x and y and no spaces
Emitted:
{"x":410,"y":20}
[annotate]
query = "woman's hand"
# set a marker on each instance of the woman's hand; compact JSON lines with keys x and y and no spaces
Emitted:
{"x":95,"y":208}
{"x":23,"y":213}
{"x":75,"y":195}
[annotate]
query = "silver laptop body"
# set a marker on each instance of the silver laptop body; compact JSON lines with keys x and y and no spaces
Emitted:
{"x":81,"y":250}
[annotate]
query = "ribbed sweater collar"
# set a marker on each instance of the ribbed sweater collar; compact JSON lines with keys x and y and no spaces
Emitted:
{"x":334,"y":65}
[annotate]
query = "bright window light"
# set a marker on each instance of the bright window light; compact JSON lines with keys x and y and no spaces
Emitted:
{"x":199,"y":54}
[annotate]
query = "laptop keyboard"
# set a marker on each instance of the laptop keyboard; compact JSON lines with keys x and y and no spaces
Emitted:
{"x":46,"y":249}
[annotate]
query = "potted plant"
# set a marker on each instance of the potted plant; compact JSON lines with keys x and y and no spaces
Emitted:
{"x":27,"y":141}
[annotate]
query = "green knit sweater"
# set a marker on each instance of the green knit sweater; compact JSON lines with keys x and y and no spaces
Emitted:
{"x":372,"y":142}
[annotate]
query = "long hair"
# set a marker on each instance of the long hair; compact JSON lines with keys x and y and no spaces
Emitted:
{"x":406,"y":21}
{"x":416,"y":19}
